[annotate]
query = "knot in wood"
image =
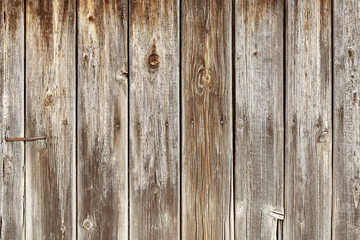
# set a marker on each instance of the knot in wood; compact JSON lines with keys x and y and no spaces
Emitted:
{"x":351,"y":56}
{"x":205,"y":77}
{"x":323,"y":138}
{"x":355,"y":97}
{"x":121,"y":77}
{"x":86,"y":58}
{"x":204,"y":80}
{"x":48,"y":99}
{"x":351,"y":53}
{"x":356,"y":186}
{"x":63,"y":229}
{"x":91,"y":17}
{"x":156,"y":189}
{"x":87,"y":224}
{"x":7,"y":166}
{"x":356,"y":192}
{"x":154,"y":61}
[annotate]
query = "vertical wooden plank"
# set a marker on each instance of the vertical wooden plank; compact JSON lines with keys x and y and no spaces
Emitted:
{"x":259,"y":118}
{"x":346,"y":113}
{"x":308,"y":167}
{"x":103,"y":119}
{"x":154,"y":119}
{"x":207,"y":133}
{"x":12,"y":119}
{"x":50,"y":112}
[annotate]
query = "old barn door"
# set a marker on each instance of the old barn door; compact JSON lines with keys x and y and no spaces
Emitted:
{"x":179,"y":119}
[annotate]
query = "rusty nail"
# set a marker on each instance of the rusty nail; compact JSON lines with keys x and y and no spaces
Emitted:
{"x":27,"y":139}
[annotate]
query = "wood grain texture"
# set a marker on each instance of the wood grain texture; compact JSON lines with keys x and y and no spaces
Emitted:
{"x":50,"y":111}
{"x":346,"y":112}
{"x":259,"y":160}
{"x":102,"y":120}
{"x":12,"y":119}
{"x":308,"y":167}
{"x":207,"y":131}
{"x":154,"y":119}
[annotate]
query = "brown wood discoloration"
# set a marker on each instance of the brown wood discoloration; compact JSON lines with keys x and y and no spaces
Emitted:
{"x":11,"y":13}
{"x":154,"y":120}
{"x":102,"y":120}
{"x":260,"y":9}
{"x":42,"y":11}
{"x":207,"y":206}
{"x":146,"y":12}
{"x":259,"y":119}
{"x":256,"y":10}
{"x":50,"y":99}
{"x":185,"y":135}
{"x":346,"y":218}
{"x":12,"y":223}
{"x":308,"y":145}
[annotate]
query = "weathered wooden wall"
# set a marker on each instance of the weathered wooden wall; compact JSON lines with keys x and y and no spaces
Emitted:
{"x":207,"y":139}
{"x":179,"y":119}
{"x":308,"y":120}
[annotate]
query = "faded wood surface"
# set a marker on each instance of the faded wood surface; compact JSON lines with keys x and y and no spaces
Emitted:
{"x":50,"y":112}
{"x":207,"y":137}
{"x":102,"y":120}
{"x":12,"y":223}
{"x":259,"y":123}
{"x":308,"y":167}
{"x":219,"y":124}
{"x":346,"y":112}
{"x":154,"y":120}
